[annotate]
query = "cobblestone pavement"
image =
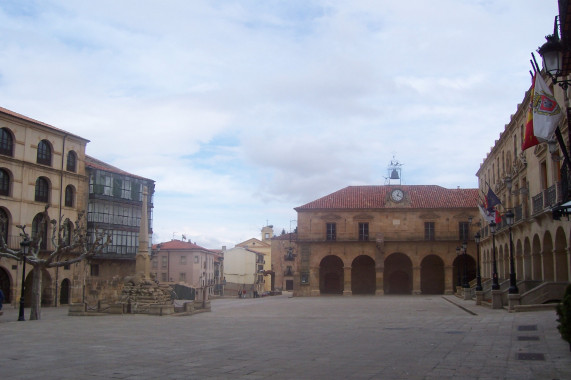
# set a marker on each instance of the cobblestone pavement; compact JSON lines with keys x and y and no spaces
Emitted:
{"x":359,"y":337}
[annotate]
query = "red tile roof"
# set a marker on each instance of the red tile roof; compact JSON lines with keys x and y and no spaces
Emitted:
{"x":375,"y":197}
{"x":29,"y":119}
{"x":94,"y":163}
{"x":174,"y":245}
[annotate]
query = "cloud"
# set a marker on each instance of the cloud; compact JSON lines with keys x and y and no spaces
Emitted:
{"x":243,"y":111}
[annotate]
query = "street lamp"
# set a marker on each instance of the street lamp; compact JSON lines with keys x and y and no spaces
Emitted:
{"x":510,"y":221}
{"x":478,"y":276}
{"x":495,"y":284}
{"x":25,"y":244}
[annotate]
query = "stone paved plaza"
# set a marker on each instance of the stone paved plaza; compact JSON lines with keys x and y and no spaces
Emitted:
{"x":359,"y":337}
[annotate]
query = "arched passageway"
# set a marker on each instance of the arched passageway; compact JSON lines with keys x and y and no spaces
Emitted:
{"x":398,"y":274}
{"x":5,"y":285}
{"x":432,"y":275}
{"x":363,"y":275}
{"x":331,"y":275}
{"x":464,"y":268}
{"x":64,"y":292}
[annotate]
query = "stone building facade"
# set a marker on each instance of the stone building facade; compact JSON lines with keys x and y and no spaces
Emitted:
{"x":183,"y":262}
{"x":393,"y":239}
{"x":40,"y":166}
{"x":529,"y":184}
{"x":284,"y":263}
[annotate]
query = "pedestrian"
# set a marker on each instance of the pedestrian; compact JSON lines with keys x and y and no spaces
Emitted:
{"x":1,"y":301}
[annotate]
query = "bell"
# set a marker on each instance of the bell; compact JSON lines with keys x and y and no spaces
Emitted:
{"x":394,"y":174}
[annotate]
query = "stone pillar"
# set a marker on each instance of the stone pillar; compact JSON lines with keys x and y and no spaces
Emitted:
{"x":497,"y":299}
{"x":513,"y":300}
{"x":314,"y":281}
{"x":479,"y":297}
{"x":347,"y":281}
{"x":416,"y":281}
{"x":379,"y":278}
{"x":448,"y":288}
{"x":142,"y":263}
{"x":380,"y":265}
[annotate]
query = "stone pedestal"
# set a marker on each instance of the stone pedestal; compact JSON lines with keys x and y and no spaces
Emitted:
{"x":188,"y":307}
{"x":117,"y":308}
{"x":161,"y":309}
{"x":479,"y":297}
{"x":467,"y":293}
{"x":77,"y":309}
{"x":497,"y":299}
{"x":513,"y":301}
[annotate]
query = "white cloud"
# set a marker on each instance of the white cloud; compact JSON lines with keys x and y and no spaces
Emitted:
{"x":243,"y":111}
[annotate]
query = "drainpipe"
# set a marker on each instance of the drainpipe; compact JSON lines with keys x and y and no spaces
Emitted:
{"x":60,"y":207}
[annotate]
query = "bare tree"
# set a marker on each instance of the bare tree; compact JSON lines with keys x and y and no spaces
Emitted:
{"x":69,"y":246}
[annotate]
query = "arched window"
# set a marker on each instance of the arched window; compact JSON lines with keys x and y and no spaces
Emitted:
{"x":6,"y":142}
{"x":44,"y":153}
{"x":4,"y":223}
{"x":42,"y":190}
{"x":4,"y":182}
{"x":69,"y":196}
{"x":40,"y":230}
{"x":71,"y":161}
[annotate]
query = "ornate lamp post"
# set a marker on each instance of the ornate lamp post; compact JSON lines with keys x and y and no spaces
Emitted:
{"x":495,"y":284}
{"x":25,"y":244}
{"x":509,"y":215}
{"x":478,"y":276}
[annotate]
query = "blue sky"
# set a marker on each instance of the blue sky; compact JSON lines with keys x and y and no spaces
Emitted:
{"x":241,"y":111}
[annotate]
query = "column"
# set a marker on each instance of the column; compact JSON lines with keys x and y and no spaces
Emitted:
{"x":448,"y":283}
{"x":379,"y":278}
{"x":347,"y":281}
{"x":416,"y":281}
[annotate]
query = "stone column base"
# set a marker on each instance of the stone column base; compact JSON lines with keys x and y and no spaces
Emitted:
{"x":347,"y":293}
{"x":467,"y":293}
{"x":379,"y":292}
{"x":479,"y":297}
{"x":315,"y":293}
{"x":497,"y":299}
{"x":161,"y":309}
{"x":513,"y":301}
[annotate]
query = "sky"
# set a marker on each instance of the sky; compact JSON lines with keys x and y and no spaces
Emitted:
{"x":243,"y":110}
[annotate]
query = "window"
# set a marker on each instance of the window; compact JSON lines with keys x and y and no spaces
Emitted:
{"x":44,"y":156}
{"x":331,"y":231}
{"x":183,"y":260}
{"x":40,"y":229}
{"x":182,"y":277}
{"x":67,"y":231}
{"x":429,"y":231}
{"x":4,"y":182}
{"x":42,"y":190}
{"x":163,"y":277}
{"x":71,"y":161}
{"x":69,"y":195}
{"x":95,"y":270}
{"x":155,"y":263}
{"x":464,"y":228}
{"x":4,"y":223}
{"x":364,"y":231}
{"x":196,"y":259}
{"x":6,"y":142}
{"x":164,"y":261}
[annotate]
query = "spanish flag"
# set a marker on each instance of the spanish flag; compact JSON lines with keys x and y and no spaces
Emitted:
{"x":529,"y":138}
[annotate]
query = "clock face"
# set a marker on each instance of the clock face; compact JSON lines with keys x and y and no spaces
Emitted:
{"x":397,"y":195}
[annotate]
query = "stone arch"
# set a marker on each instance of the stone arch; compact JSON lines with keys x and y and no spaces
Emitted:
{"x":397,"y":275}
{"x":432,"y":275}
{"x":6,"y":284}
{"x":464,"y":266}
{"x":331,"y":275}
{"x":560,"y":256}
{"x":536,"y":263}
{"x":363,"y":275}
{"x":547,"y":257}
{"x":527,"y":267}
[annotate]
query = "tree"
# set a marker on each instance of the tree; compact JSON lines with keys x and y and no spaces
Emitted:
{"x":68,"y":247}
{"x":564,"y":316}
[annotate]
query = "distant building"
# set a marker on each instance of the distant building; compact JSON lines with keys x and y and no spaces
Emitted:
{"x":392,"y":239}
{"x":240,"y":271}
{"x":40,"y":166}
{"x":284,"y":263}
{"x":263,"y":248}
{"x":114,"y":207}
{"x":183,"y":262}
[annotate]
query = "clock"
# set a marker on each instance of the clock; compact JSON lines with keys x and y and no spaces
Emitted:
{"x":397,"y":195}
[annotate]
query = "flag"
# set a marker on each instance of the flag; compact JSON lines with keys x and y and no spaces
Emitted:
{"x":529,"y":138}
{"x":498,"y":217}
{"x":492,"y":199}
{"x":485,"y":214}
{"x":546,"y":111}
